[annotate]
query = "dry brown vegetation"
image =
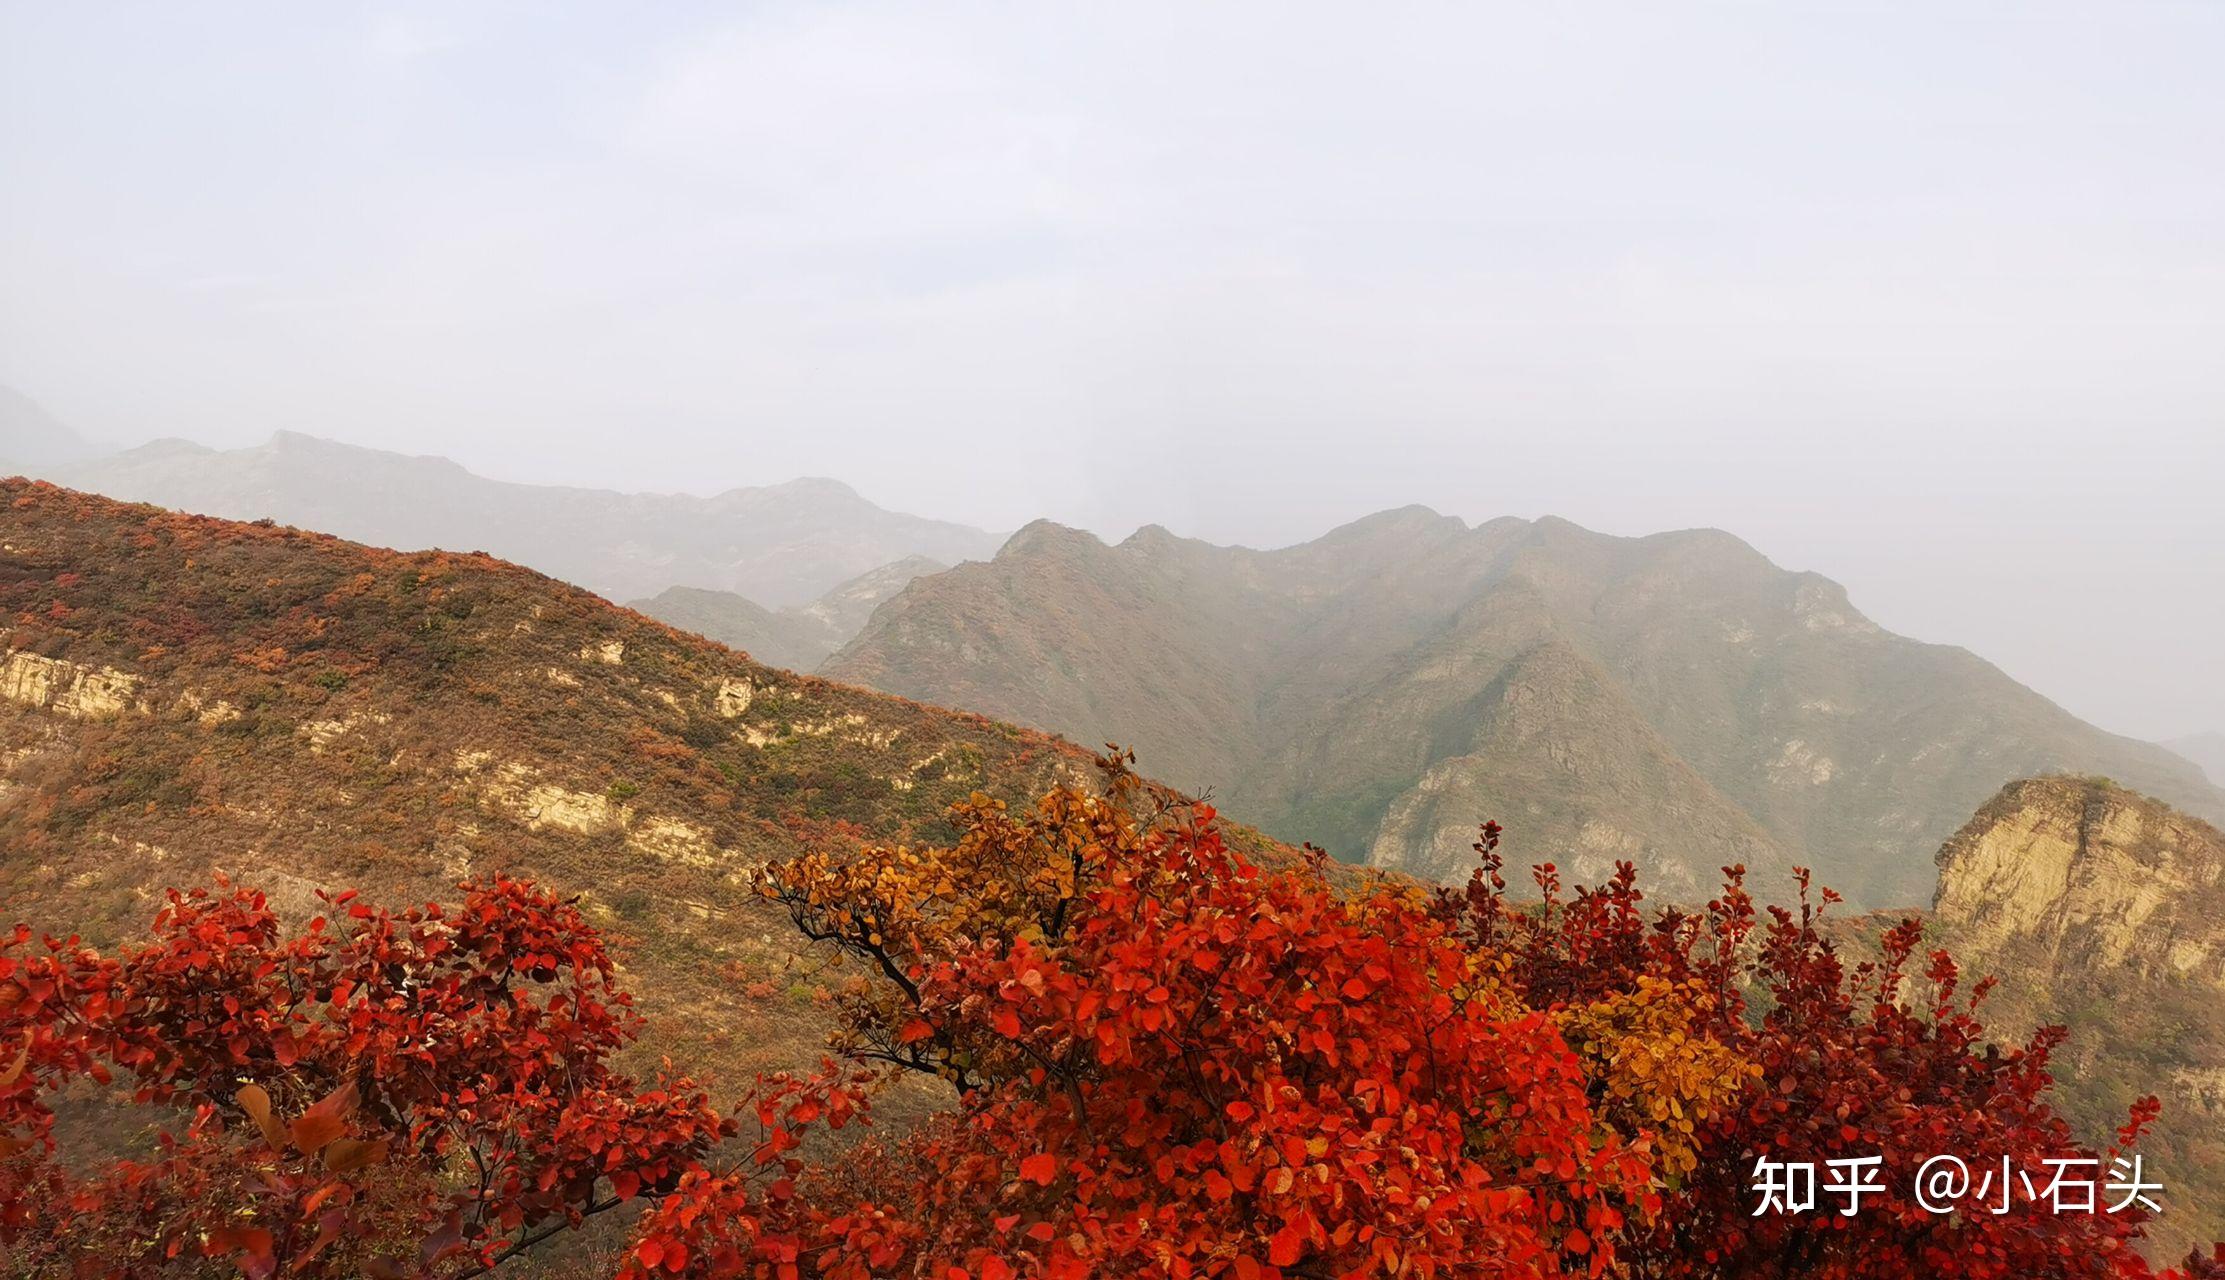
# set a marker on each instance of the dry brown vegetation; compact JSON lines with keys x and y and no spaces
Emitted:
{"x":184,"y":698}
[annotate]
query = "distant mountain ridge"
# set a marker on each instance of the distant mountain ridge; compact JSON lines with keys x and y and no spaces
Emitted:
{"x":32,"y":437}
{"x":797,"y":637}
{"x":779,"y":545}
{"x":1674,"y":699}
{"x":2204,"y":749}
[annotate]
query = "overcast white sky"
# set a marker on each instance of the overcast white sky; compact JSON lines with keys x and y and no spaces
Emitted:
{"x":1929,"y":297}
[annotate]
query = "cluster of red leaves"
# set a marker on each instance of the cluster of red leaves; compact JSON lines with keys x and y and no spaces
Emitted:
{"x":1172,"y":1063}
{"x":1852,"y":1062}
{"x":410,"y":1094}
{"x":1165,"y":1061}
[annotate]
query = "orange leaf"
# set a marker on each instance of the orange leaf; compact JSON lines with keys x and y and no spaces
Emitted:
{"x":316,"y":1129}
{"x":256,"y":1104}
{"x":346,"y":1155}
{"x":1040,"y":1168}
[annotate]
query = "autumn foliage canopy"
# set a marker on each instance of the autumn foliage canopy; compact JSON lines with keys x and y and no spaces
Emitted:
{"x":1159,"y":1059}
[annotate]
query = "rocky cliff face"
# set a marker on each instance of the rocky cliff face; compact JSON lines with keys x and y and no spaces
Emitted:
{"x":2103,"y":911}
{"x":2091,"y":876}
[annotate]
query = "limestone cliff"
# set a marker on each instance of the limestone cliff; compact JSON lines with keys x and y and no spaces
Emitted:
{"x":2103,"y":911}
{"x":2092,"y":877}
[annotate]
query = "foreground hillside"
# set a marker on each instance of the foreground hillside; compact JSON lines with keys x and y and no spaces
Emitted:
{"x":779,"y":545}
{"x":1675,"y":699}
{"x":182,"y":697}
{"x":2104,"y":911}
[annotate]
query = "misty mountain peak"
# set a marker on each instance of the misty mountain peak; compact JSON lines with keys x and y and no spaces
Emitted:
{"x":820,"y":486}
{"x":31,"y":435}
{"x":168,"y":447}
{"x":1049,"y":538}
{"x":803,"y":491}
{"x":1412,"y":518}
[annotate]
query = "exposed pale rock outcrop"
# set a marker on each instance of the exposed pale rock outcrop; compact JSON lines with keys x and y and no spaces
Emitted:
{"x":522,"y":792}
{"x":2091,"y":876}
{"x":67,"y":688}
{"x":207,"y":712}
{"x":323,"y":733}
{"x":731,"y":697}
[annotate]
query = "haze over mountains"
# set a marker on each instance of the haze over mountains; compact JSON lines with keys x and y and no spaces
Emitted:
{"x":30,"y":437}
{"x":796,"y":637}
{"x":1677,"y":699}
{"x":779,"y":544}
{"x":2204,"y":749}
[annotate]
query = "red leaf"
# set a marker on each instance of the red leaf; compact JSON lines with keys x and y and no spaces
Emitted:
{"x":1288,"y":1245}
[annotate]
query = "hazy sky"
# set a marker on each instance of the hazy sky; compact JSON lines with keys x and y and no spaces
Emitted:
{"x":1928,"y":297}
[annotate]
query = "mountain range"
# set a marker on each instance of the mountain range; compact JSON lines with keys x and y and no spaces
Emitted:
{"x":1676,"y":700}
{"x":778,"y":545}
